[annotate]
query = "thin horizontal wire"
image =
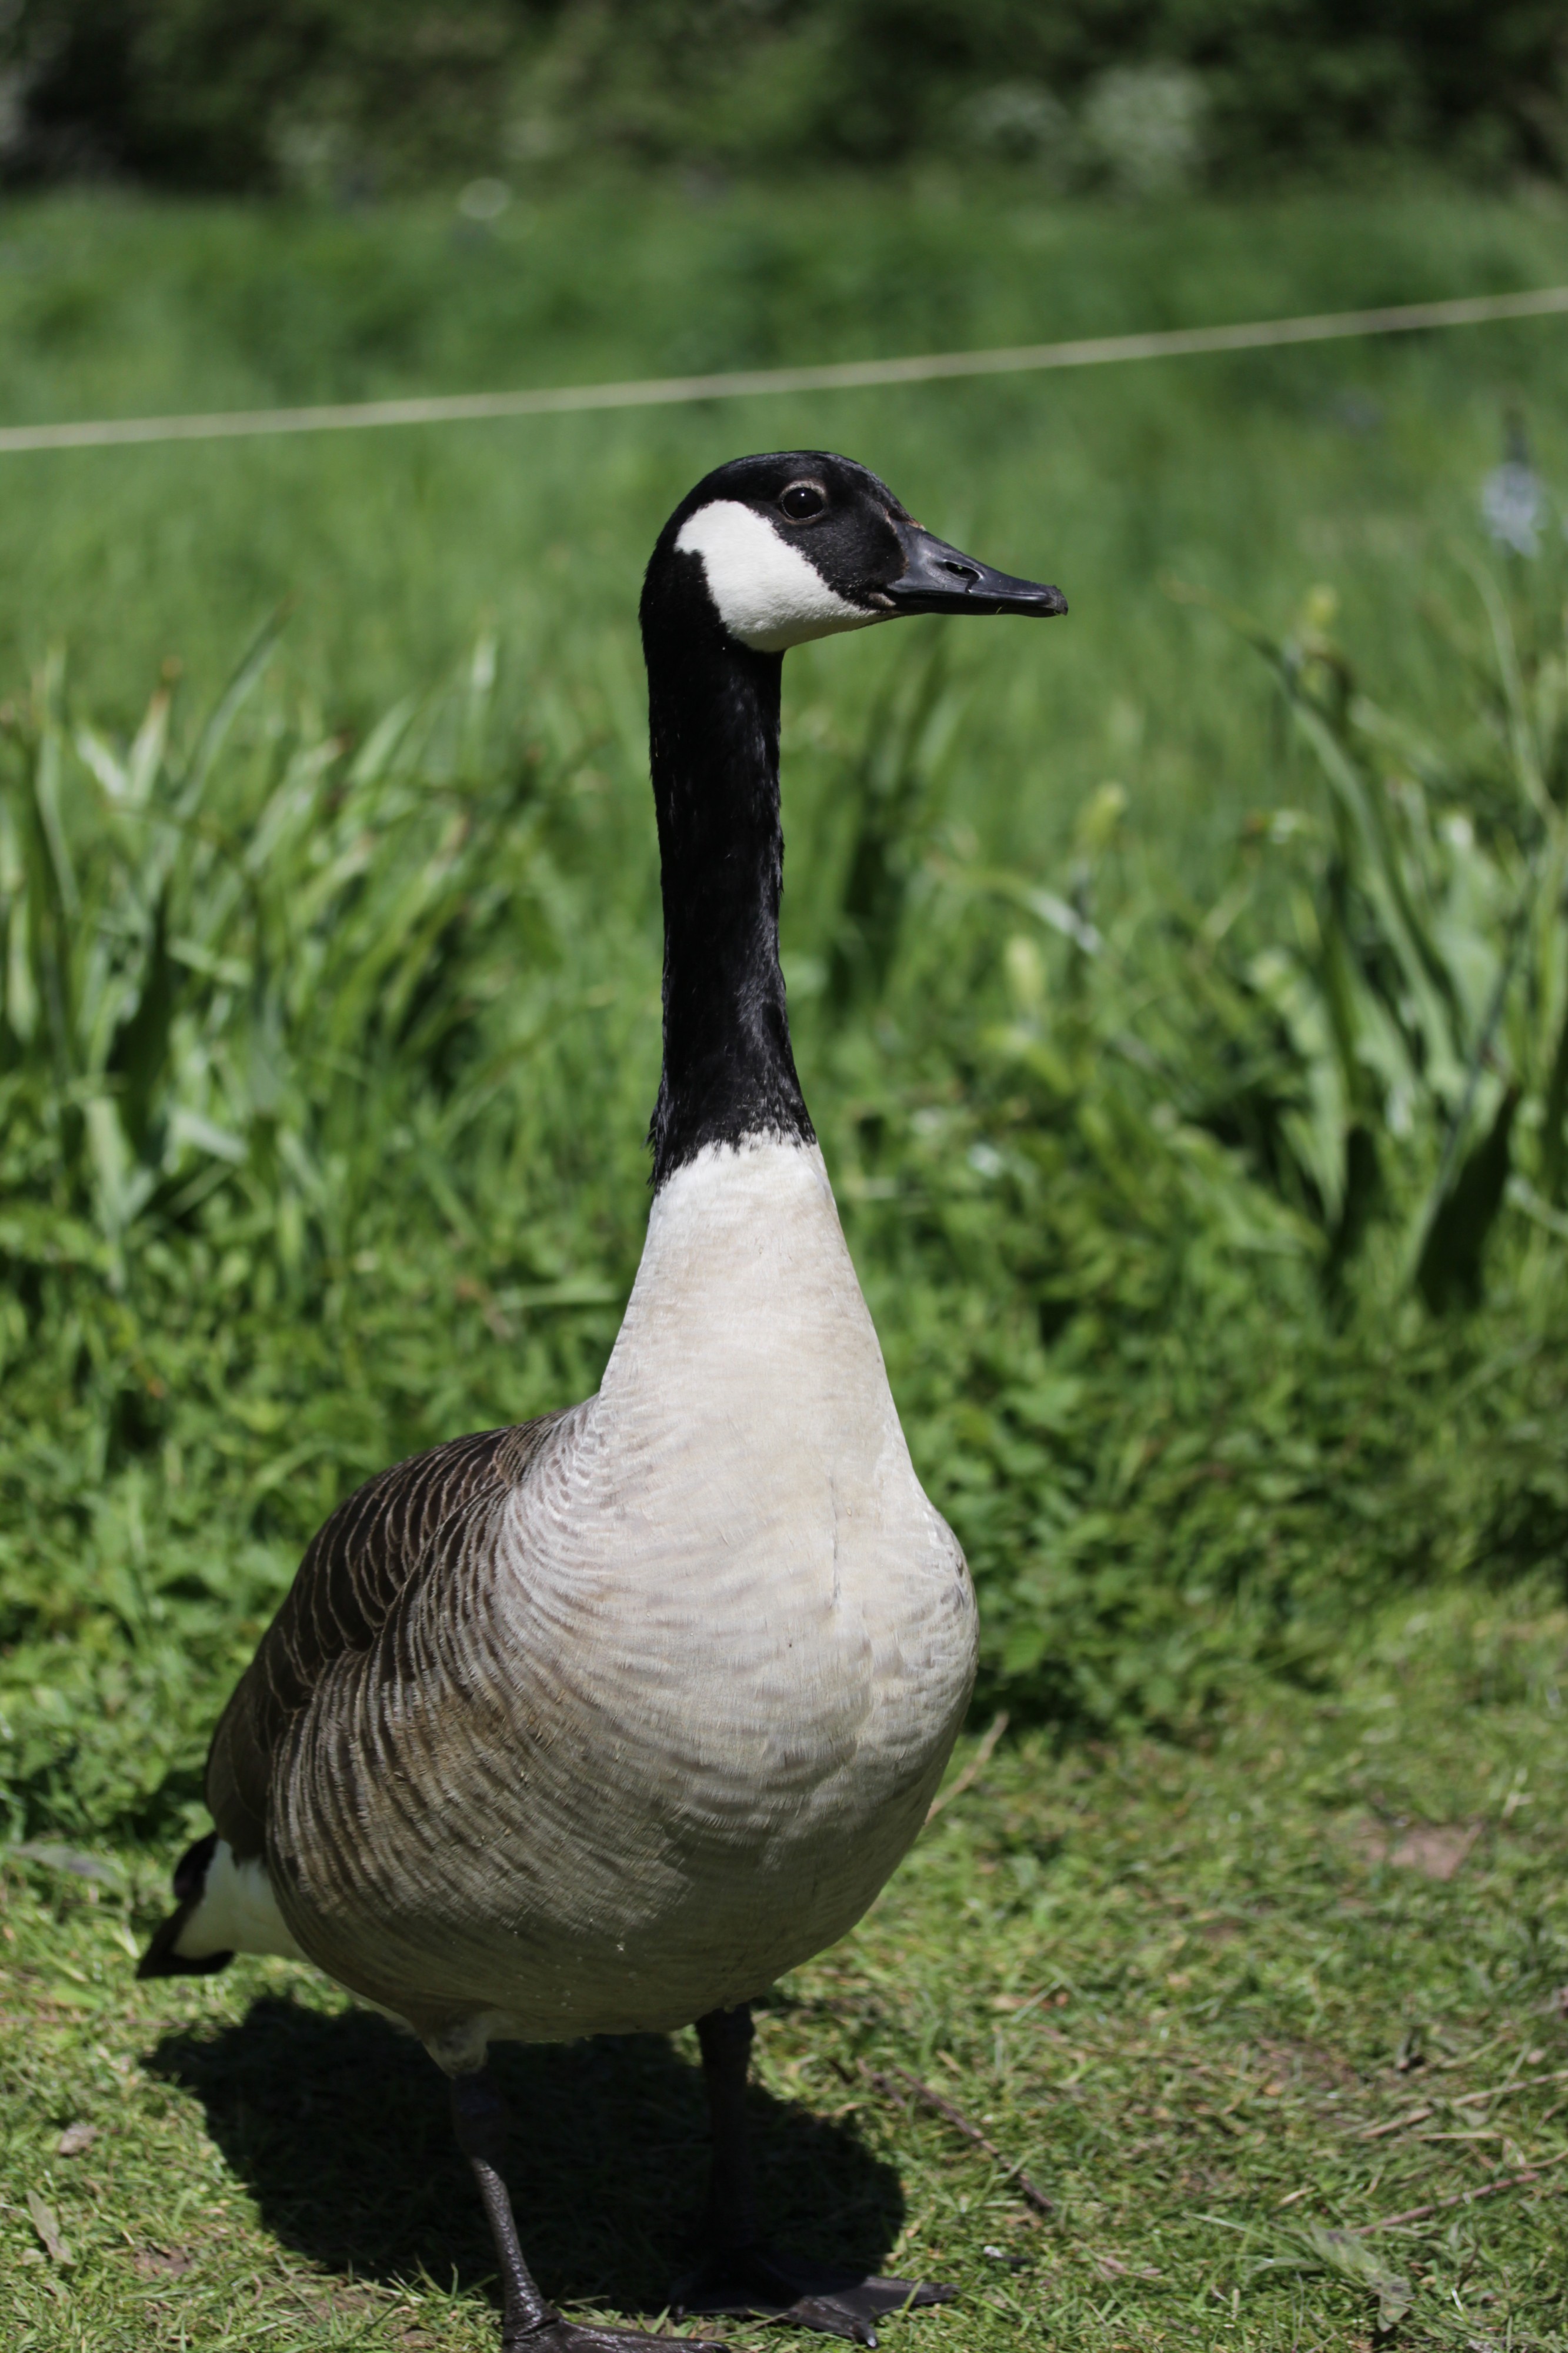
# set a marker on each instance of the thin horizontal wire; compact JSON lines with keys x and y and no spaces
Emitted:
{"x":847,"y":376}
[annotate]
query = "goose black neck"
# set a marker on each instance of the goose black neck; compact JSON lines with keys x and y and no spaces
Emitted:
{"x":713,"y":727}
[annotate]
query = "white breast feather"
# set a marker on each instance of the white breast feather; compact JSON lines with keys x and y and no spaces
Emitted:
{"x":767,"y":592}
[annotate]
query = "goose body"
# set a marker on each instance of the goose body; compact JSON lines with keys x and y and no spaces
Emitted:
{"x":600,"y":1723}
{"x":671,"y":1695}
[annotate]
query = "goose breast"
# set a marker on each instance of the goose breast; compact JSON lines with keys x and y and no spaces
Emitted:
{"x":676,"y":1702}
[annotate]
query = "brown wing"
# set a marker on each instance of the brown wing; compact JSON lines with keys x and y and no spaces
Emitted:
{"x":359,"y":1565}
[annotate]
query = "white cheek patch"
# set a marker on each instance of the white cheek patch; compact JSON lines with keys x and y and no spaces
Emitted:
{"x":766,"y":592}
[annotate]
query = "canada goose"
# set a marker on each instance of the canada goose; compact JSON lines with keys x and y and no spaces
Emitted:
{"x":600,"y":1724}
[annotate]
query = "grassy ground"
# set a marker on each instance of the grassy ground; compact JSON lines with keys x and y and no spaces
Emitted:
{"x":1217,"y":2004}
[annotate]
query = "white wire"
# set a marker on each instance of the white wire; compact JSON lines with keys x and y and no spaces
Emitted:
{"x":849,"y":375}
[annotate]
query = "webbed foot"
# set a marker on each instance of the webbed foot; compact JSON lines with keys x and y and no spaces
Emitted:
{"x":530,"y":2325}
{"x":554,"y":2334}
{"x":755,"y":2283}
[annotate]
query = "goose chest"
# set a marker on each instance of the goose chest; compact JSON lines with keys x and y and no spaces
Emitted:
{"x":684,"y":1726}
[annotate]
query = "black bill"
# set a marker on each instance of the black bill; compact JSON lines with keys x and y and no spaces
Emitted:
{"x":937,"y":578}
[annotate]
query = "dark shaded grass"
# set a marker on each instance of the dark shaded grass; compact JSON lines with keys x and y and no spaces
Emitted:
{"x":289,"y":2084}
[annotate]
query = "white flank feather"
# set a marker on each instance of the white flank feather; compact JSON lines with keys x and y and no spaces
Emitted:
{"x":238,"y":1913}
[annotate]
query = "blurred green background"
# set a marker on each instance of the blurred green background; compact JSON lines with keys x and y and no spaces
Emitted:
{"x":1254,"y":475}
{"x":1138,"y":95}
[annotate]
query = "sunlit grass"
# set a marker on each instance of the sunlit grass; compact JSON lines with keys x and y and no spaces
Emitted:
{"x":1212,"y":2000}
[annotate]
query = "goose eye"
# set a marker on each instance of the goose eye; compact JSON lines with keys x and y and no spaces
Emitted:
{"x":801,"y":501}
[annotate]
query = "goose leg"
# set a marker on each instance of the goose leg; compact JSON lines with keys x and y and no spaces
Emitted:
{"x":528,"y":2324}
{"x":738,"y":2273}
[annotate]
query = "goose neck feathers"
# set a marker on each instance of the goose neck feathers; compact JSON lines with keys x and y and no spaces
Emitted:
{"x":713,"y":732}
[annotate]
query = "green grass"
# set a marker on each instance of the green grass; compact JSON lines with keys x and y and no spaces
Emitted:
{"x":325,"y":1074}
{"x":1254,"y":475}
{"x":1188,"y":1036}
{"x":1182,"y":1988}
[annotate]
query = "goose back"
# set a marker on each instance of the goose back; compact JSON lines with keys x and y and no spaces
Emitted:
{"x":355,"y":1575}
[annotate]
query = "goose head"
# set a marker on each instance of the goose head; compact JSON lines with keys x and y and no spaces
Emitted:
{"x":799,"y":544}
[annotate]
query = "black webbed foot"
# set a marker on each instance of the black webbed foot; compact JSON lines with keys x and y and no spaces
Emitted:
{"x":556,"y":2334}
{"x":530,"y":2325}
{"x":754,"y":2283}
{"x":738,"y":2273}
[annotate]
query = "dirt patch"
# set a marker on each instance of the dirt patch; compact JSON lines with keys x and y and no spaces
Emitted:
{"x":1217,"y":1931}
{"x":1437,"y":1850}
{"x":163,"y":2263}
{"x":1434,"y":1849}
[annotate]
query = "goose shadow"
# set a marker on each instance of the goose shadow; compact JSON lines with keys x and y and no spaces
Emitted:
{"x":339,"y":2125}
